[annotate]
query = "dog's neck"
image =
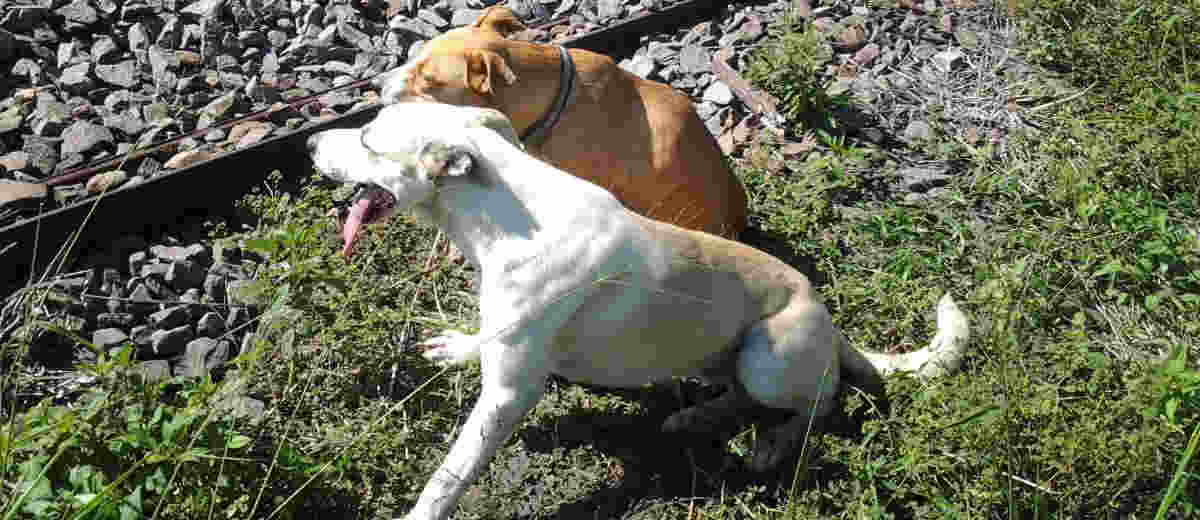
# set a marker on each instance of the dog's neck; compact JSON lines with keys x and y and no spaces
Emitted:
{"x":537,"y":67}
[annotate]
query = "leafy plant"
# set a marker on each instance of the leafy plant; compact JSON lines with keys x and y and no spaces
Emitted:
{"x":790,"y":69}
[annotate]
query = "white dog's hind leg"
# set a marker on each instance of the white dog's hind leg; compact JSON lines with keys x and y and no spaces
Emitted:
{"x":452,"y":348}
{"x":789,"y":361}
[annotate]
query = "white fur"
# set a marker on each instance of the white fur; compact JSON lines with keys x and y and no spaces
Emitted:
{"x":572,"y":283}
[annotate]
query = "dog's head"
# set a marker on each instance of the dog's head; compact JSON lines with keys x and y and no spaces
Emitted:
{"x":402,"y":158}
{"x":463,"y":66}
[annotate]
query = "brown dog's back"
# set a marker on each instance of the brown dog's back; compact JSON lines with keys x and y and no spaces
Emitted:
{"x":642,"y":140}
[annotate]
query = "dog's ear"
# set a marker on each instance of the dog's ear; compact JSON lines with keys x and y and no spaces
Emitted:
{"x":444,"y":160}
{"x":483,"y":70}
{"x":500,"y":20}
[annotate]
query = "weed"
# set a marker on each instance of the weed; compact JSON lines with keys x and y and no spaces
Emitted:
{"x":789,"y":69}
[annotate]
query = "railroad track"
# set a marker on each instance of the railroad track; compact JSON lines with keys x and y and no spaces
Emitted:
{"x":30,"y":245}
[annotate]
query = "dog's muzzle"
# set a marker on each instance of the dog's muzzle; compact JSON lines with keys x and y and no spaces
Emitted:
{"x":367,"y":204}
{"x":341,"y":208}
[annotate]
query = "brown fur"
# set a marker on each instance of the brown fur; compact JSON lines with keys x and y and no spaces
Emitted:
{"x":641,"y":140}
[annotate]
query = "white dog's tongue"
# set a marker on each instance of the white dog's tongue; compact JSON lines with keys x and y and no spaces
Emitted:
{"x":354,"y":223}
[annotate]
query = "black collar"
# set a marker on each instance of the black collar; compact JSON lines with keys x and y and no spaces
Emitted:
{"x":536,"y":134}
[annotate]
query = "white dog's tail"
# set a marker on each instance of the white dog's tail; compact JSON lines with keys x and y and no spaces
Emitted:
{"x":943,"y":355}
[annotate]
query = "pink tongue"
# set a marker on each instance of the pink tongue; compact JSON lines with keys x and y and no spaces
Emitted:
{"x":354,"y":222}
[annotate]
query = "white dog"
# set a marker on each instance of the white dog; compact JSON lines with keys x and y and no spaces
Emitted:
{"x":572,"y":283}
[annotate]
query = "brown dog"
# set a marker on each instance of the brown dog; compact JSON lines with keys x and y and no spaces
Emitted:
{"x":641,"y":140}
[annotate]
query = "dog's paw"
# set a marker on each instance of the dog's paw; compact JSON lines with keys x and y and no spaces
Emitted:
{"x":451,"y":348}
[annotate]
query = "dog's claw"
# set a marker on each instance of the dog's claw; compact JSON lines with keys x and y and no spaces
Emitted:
{"x":450,"y":348}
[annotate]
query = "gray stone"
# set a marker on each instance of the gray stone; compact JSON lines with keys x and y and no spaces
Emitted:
{"x":609,"y":9}
{"x":76,"y":79}
{"x":713,"y":123}
{"x":42,"y":154}
{"x":195,"y":253}
{"x":138,"y":37}
{"x":210,"y":9}
{"x":23,"y":19}
{"x":313,"y":84}
{"x":662,"y":52}
{"x":104,"y":49}
{"x":252,"y":39}
{"x":27,"y":69}
{"x":202,"y":355}
{"x":931,"y":194}
{"x":106,"y":181}
{"x":217,"y":110}
{"x":149,"y":167}
{"x":51,"y":116}
{"x":948,"y":60}
{"x":338,"y":100}
{"x":324,"y":38}
{"x":156,"y":267}
{"x":154,"y":370}
{"x":83,"y":137}
{"x":210,"y":325}
{"x":237,"y":316}
{"x":463,"y":17}
{"x":244,"y":407}
{"x":135,"y":9}
{"x":162,"y":61}
{"x":137,"y":259}
{"x":168,"y":318}
{"x":192,"y":300}
{"x":105,"y":338}
{"x":79,"y":12}
{"x":172,"y":342}
{"x":117,"y":99}
{"x":349,"y":34}
{"x":338,"y":67}
{"x":128,"y":122}
{"x":918,"y":131}
{"x":185,"y":274}
{"x":718,"y":92}
{"x":118,"y":320}
{"x":142,"y":300}
{"x":693,"y":59}
{"x":918,"y":179}
{"x":433,"y":19}
{"x":142,"y":336}
{"x":277,"y":38}
{"x":641,"y":65}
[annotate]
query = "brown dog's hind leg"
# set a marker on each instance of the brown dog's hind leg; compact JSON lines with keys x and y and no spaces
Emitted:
{"x":779,"y":443}
{"x":713,"y":415}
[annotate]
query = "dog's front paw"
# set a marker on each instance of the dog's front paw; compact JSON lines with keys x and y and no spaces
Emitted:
{"x":451,"y":348}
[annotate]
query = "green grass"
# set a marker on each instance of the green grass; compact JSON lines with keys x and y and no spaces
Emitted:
{"x":1075,"y":255}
